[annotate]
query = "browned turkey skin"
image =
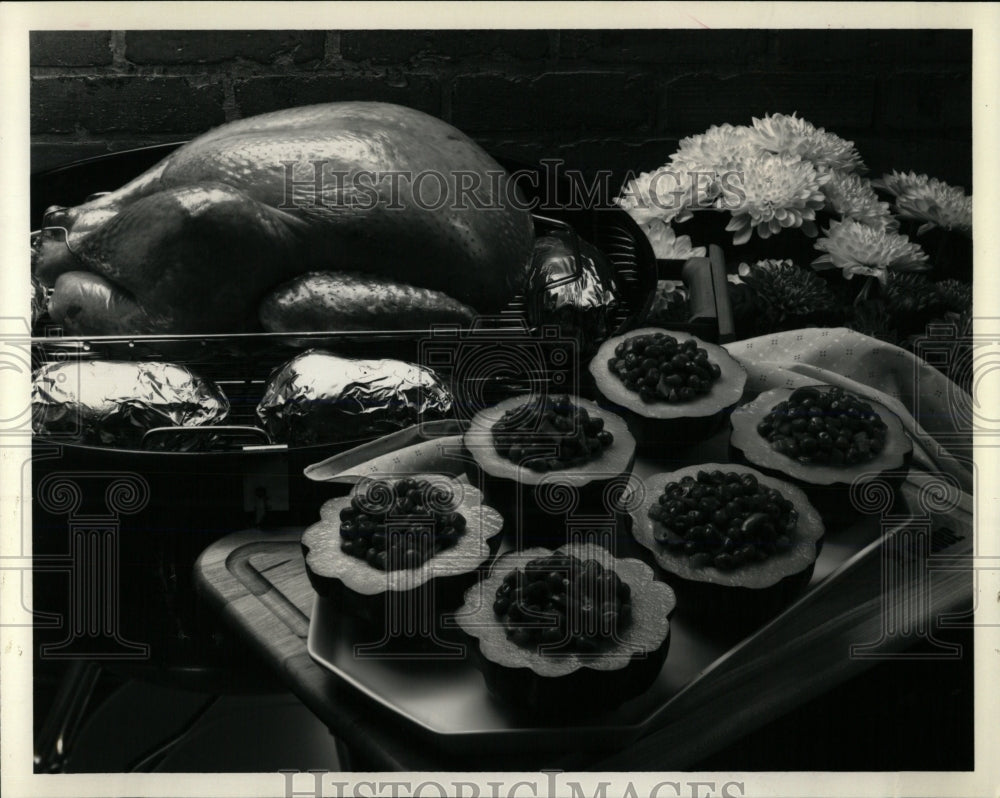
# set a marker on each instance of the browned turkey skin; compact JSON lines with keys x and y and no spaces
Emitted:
{"x":197,"y":242}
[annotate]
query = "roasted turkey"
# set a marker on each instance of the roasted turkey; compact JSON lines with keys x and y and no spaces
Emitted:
{"x":386,"y":194}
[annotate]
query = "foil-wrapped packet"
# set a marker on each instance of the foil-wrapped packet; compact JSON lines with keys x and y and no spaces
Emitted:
{"x":318,"y":397}
{"x":581,"y":305}
{"x":114,"y":403}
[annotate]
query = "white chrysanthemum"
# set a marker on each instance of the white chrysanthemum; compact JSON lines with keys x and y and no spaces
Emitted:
{"x":792,"y":135}
{"x":706,"y":158}
{"x":774,"y":192}
{"x":929,"y":200}
{"x":661,"y":194}
{"x":667,"y":245}
{"x":781,"y":132}
{"x":852,"y":197}
{"x":716,"y":145}
{"x":856,"y":248}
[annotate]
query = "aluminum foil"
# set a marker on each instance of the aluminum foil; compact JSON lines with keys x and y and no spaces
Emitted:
{"x":581,"y":306}
{"x":319,"y":397}
{"x":114,"y":403}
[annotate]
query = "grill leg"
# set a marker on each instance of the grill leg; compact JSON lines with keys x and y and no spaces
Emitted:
{"x":55,"y":738}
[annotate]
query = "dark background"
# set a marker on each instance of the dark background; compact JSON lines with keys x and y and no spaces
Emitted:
{"x":617,"y":100}
{"x":598,"y":99}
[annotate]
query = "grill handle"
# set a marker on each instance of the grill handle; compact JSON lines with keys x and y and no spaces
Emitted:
{"x":708,"y":291}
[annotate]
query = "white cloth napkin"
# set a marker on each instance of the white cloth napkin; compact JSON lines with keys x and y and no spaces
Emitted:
{"x":936,"y":413}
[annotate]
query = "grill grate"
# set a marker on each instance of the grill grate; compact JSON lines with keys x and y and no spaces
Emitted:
{"x":241,"y":364}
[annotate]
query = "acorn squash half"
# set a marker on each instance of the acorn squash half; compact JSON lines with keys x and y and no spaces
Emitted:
{"x":550,"y":681}
{"x":536,"y":502}
{"x":828,"y":486}
{"x":436,"y":584}
{"x":747,"y":592}
{"x":657,"y":424}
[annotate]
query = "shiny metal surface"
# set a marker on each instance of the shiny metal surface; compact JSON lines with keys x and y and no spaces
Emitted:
{"x":318,"y":395}
{"x":117,"y":402}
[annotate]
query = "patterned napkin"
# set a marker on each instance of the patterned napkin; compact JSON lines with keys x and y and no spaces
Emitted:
{"x":937,"y":413}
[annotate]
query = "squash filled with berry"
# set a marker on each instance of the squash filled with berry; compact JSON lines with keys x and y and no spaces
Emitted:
{"x":671,"y":387}
{"x":825,"y":439}
{"x":414,"y":540}
{"x":541,"y":458}
{"x":568,"y":632}
{"x":733,"y":541}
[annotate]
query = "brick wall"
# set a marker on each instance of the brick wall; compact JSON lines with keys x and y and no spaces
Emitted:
{"x":615,"y":100}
